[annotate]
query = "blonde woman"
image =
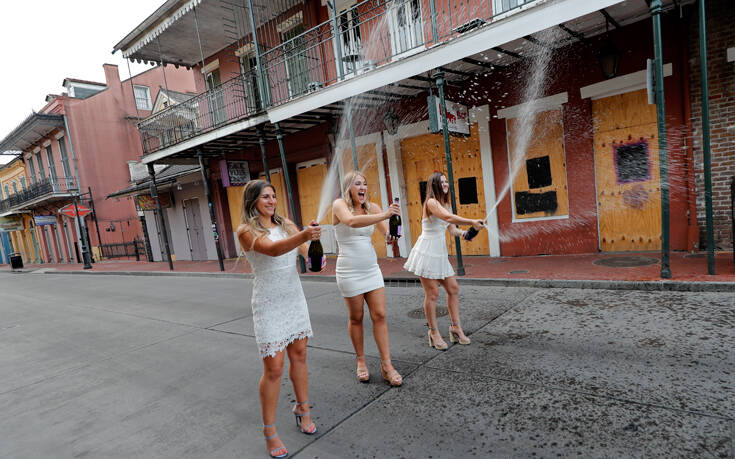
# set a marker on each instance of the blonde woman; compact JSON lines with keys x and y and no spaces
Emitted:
{"x":280,"y":315}
{"x":430,"y":261}
{"x":358,"y":275}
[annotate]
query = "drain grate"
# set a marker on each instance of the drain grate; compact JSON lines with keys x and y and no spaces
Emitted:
{"x":419,"y":313}
{"x":625,"y":262}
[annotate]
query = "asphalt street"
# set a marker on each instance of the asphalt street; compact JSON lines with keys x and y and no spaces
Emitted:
{"x":167,"y":367}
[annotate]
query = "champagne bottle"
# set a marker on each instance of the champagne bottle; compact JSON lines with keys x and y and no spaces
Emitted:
{"x":470,"y":233}
{"x":316,"y":256}
{"x":394,"y":224}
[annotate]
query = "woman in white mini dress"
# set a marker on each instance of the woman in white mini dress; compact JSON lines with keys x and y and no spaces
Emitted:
{"x":430,"y":261}
{"x":359,"y":278}
{"x":280,"y":314}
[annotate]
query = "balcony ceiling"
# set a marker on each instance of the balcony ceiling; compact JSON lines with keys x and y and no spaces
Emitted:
{"x":30,"y":131}
{"x":221,"y":23}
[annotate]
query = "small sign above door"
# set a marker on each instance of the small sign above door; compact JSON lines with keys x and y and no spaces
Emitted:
{"x":457,"y":117}
{"x":234,"y":173}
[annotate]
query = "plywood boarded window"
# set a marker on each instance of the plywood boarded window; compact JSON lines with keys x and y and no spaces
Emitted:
{"x":538,"y":174}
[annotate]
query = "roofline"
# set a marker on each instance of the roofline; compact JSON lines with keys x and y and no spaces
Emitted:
{"x":144,"y":26}
{"x":26,"y":123}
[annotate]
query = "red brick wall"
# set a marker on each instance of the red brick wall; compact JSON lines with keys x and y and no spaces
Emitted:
{"x":720,"y":17}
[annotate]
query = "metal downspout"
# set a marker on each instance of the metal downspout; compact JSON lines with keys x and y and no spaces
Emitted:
{"x":656,"y":10}
{"x":706,"y":153}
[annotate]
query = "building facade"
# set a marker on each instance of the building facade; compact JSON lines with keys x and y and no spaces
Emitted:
{"x":553,"y":137}
{"x":75,"y":149}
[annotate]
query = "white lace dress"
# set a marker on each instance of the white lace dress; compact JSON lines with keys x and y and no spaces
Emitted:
{"x":280,"y":314}
{"x":429,"y":258}
{"x":357,"y":264}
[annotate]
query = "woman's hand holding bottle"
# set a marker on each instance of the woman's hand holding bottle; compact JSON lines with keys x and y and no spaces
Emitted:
{"x":313,"y":231}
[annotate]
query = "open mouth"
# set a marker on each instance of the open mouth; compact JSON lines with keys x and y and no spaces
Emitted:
{"x":361,"y":195}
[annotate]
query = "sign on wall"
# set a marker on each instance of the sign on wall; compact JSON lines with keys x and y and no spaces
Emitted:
{"x":146,"y":201}
{"x":458,"y":119}
{"x":41,"y":220}
{"x":234,"y":173}
{"x":70,"y":211}
{"x":11,"y":223}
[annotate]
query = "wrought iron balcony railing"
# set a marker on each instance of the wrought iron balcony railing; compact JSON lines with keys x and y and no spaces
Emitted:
{"x":370,"y":34}
{"x":40,"y":191}
{"x":233,"y":100}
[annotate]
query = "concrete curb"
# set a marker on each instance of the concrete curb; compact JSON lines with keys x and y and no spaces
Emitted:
{"x":667,"y":286}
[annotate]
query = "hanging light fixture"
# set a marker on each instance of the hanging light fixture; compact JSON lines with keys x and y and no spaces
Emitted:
{"x":609,"y":56}
{"x":391,"y":121}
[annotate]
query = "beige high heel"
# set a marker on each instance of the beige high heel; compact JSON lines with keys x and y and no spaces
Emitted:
{"x":392,"y":377}
{"x":438,"y":345}
{"x":454,"y":337}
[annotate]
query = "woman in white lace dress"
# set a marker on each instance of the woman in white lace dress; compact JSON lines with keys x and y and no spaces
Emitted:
{"x":280,"y":315}
{"x":359,"y":278}
{"x":430,"y":261}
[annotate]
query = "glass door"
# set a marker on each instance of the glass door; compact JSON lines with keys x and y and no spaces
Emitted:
{"x":404,"y":23}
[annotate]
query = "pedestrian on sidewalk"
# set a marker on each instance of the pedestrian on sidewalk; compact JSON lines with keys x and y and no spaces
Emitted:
{"x":430,"y":261}
{"x":359,"y":278}
{"x":280,"y":314}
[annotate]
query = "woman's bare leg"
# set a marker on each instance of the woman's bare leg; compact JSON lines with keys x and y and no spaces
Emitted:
{"x":450,"y":285}
{"x":431,"y":294}
{"x":269,"y":387}
{"x":356,"y":312}
{"x":299,"y":375}
{"x":375,"y":300}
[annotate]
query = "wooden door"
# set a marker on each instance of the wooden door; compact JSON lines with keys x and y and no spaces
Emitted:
{"x":422,"y":156}
{"x":192,"y":214}
{"x":309,"y":179}
{"x":368,"y":164}
{"x":540,"y":170}
{"x":627,"y":173}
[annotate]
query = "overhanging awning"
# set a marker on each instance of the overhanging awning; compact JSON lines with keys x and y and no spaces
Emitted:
{"x":30,"y":131}
{"x":165,"y":177}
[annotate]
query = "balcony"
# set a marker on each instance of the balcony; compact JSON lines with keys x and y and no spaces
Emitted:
{"x":371,"y":34}
{"x":233,"y":100}
{"x":43,"y":191}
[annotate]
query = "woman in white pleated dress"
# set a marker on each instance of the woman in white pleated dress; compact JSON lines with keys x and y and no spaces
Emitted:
{"x":280,"y":315}
{"x":359,"y":278}
{"x":430,"y":261}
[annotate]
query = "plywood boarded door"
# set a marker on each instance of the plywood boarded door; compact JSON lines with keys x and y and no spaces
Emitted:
{"x":421,"y":156}
{"x":627,"y":173}
{"x":310,"y":178}
{"x":368,"y":165}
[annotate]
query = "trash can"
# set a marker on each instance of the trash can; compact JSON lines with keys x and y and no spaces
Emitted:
{"x":16,"y":261}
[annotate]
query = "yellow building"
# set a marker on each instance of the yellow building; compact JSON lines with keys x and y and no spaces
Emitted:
{"x":13,"y":181}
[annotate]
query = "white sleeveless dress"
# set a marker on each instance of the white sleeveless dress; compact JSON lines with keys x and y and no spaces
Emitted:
{"x":357,"y":265}
{"x":280,"y":314}
{"x":429,"y":257}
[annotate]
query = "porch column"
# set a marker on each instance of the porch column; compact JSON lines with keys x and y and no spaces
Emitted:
{"x":94,"y":217}
{"x":261,"y":140}
{"x":291,"y":204}
{"x":656,"y":10}
{"x":212,"y":215}
{"x":82,"y":238}
{"x":161,"y":220}
{"x":352,"y":134}
{"x":706,"y":139}
{"x":439,"y":77}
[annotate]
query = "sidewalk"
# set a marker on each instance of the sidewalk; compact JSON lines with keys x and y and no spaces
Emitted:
{"x":637,"y":267}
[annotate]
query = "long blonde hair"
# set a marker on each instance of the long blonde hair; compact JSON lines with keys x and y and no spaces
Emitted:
{"x":347,"y":182}
{"x":250,"y":216}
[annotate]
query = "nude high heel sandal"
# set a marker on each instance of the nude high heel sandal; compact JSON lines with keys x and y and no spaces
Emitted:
{"x":438,"y":345}
{"x":455,"y":336}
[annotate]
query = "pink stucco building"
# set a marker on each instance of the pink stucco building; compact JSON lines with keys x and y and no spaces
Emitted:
{"x":80,"y":142}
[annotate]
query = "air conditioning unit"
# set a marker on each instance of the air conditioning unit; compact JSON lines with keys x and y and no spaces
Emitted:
{"x":314,"y":86}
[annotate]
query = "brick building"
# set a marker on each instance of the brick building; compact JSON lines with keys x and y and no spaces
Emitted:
{"x":721,"y":68}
